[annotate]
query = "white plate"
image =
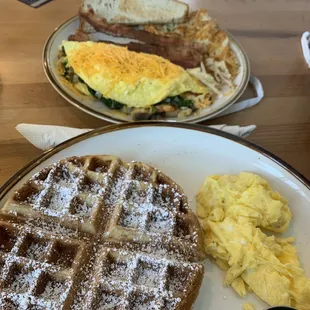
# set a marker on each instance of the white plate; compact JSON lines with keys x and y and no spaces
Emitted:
{"x":188,"y":153}
{"x":98,"y":109}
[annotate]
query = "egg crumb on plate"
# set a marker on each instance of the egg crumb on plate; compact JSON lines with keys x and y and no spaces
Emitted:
{"x":232,"y":210}
{"x":248,"y":307}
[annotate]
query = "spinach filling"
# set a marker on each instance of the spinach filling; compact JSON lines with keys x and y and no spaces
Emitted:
{"x":177,"y":102}
{"x":112,"y":104}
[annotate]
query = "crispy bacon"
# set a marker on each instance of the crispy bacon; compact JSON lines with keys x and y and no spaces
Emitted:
{"x":79,"y":36}
{"x":184,"y":57}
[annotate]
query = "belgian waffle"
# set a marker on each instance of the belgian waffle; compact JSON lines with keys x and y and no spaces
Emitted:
{"x":94,"y":232}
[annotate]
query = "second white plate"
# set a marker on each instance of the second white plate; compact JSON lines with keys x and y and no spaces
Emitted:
{"x":99,"y":110}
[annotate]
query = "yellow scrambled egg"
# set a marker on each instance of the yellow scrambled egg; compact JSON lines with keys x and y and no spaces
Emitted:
{"x":134,"y":79}
{"x":248,"y":307}
{"x":232,"y":210}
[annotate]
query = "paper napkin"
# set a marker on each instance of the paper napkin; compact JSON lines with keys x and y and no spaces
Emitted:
{"x":45,"y":137}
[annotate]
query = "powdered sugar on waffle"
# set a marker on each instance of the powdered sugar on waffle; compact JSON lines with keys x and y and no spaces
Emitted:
{"x":60,"y":201}
{"x":109,"y":301}
{"x":25,"y":301}
{"x":35,"y":250}
{"x":148,"y":207}
{"x":119,"y":187}
{"x":55,"y":291}
{"x":54,"y":199}
{"x":147,"y":274}
{"x":23,"y":280}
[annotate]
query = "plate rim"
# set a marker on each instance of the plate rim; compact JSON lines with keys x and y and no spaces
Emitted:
{"x":15,"y":178}
{"x":82,"y":107}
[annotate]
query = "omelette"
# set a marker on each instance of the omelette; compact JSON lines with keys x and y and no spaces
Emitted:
{"x":233,"y":209}
{"x":133,"y":82}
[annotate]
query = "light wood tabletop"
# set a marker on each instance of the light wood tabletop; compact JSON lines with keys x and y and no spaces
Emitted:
{"x":269,"y":31}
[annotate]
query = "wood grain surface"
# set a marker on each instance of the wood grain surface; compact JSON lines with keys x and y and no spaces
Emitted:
{"x":269,"y":31}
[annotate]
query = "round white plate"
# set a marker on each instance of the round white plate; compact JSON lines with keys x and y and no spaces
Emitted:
{"x":188,"y":153}
{"x":98,"y":109}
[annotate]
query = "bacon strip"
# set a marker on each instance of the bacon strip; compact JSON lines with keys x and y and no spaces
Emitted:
{"x":184,"y":57}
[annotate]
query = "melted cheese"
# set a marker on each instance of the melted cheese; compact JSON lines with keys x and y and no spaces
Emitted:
{"x":134,"y":79}
{"x":126,"y":66}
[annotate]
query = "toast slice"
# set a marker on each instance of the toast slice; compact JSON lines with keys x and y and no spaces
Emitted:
{"x":136,"y":12}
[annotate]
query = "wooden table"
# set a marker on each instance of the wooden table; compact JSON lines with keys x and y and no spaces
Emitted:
{"x":268,"y":30}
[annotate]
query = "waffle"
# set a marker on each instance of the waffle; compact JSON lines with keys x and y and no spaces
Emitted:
{"x":94,"y":232}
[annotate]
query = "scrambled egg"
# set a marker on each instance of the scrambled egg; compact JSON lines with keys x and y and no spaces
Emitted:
{"x":134,"y":79}
{"x":232,"y":209}
{"x":248,"y":307}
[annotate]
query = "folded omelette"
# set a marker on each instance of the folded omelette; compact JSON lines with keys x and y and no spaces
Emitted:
{"x":136,"y":80}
